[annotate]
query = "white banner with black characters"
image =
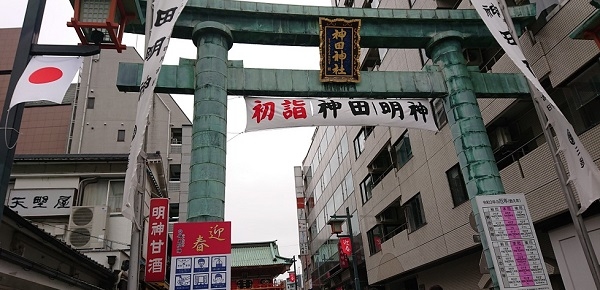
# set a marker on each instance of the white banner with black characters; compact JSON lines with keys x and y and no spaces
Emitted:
{"x":583,"y":173}
{"x":271,"y":113}
{"x":165,"y":14}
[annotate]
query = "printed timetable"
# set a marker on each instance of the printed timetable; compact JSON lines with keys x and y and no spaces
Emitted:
{"x":515,"y":250}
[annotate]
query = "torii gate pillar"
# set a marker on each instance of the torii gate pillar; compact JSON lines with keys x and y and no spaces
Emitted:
{"x":206,"y":200}
{"x":471,"y":142}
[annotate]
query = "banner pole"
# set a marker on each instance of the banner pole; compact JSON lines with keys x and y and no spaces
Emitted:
{"x":580,"y":228}
{"x":138,"y":210}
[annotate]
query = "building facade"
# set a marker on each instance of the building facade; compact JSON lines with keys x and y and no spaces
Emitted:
{"x":404,"y":189}
{"x":75,"y":155}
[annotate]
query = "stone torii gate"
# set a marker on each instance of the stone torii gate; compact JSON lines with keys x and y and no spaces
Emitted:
{"x":214,"y":25}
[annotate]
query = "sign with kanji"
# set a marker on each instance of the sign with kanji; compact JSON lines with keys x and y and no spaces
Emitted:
{"x":344,"y":262}
{"x":201,"y":256}
{"x":346,"y":245}
{"x":271,"y":113}
{"x":41,"y":202}
{"x":156,"y":251}
{"x":514,"y":247}
{"x":339,"y":50}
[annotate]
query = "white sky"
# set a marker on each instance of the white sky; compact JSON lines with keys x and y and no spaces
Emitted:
{"x":260,"y":194}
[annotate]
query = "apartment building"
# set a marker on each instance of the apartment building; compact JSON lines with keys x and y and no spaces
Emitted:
{"x":404,"y":189}
{"x":71,"y":158}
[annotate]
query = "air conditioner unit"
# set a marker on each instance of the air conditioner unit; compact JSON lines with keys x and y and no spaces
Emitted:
{"x":87,"y":227}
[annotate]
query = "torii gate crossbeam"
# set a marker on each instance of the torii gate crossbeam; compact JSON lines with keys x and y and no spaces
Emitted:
{"x":179,"y":79}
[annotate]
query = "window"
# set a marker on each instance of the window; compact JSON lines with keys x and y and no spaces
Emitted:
{"x":91,"y":101}
{"x":173,"y":212}
{"x":424,"y":57}
{"x":391,"y":221}
{"x":107,"y":192}
{"x":359,"y":141}
{"x":413,"y":209}
{"x":366,"y":187}
{"x":447,"y":4}
{"x":382,"y":53}
{"x":441,"y":118}
{"x":121,"y":136}
{"x":374,"y":235}
{"x":115,"y":195}
{"x":371,"y":4}
{"x":403,"y":151}
{"x":381,"y":165}
{"x":458,"y":190}
{"x":176,"y":136}
{"x":175,"y":172}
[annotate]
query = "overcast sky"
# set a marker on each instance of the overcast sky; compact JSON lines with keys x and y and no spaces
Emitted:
{"x":260,"y":194}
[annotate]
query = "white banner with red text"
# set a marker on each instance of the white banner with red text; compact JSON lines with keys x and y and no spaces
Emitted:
{"x":583,"y":173}
{"x":271,"y":113}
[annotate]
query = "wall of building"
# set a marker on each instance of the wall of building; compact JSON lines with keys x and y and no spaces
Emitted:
{"x":446,"y":231}
{"x":44,"y":130}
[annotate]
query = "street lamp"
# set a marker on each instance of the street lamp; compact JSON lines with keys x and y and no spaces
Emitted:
{"x":336,"y":222}
{"x":101,"y":22}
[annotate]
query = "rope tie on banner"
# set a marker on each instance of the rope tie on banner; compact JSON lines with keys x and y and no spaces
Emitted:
{"x":6,"y":128}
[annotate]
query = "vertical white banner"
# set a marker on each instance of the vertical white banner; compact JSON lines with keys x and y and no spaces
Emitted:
{"x":583,"y":173}
{"x":165,"y":14}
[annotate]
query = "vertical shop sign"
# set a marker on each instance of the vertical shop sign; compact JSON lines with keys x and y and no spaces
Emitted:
{"x":156,"y":251}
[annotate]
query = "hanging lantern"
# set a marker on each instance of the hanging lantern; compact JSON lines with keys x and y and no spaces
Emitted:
{"x":101,"y":22}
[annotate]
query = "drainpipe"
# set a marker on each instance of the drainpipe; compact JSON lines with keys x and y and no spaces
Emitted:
{"x":87,"y":94}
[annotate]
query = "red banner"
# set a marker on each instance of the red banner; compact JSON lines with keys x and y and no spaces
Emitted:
{"x":201,"y":238}
{"x":299,"y":202}
{"x":292,"y":276}
{"x":344,"y":262}
{"x":346,"y":246}
{"x":156,"y":251}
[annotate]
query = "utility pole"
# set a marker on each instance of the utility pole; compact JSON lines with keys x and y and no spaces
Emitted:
{"x":295,"y":274}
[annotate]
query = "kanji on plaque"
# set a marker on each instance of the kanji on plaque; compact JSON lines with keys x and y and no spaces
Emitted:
{"x":156,"y":252}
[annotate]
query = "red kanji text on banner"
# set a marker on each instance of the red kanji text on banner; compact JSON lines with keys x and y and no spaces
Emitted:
{"x":156,"y":253}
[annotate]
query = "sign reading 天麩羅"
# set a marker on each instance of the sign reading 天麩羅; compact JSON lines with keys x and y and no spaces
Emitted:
{"x":339,"y":50}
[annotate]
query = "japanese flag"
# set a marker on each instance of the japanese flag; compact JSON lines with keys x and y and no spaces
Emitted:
{"x":46,"y":78}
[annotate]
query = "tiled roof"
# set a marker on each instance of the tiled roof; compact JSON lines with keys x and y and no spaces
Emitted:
{"x":257,"y":254}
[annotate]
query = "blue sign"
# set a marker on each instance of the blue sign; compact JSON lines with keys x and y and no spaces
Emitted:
{"x":340,"y":50}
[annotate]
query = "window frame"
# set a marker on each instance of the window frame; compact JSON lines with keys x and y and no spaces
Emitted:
{"x":439,"y":112}
{"x":403,"y":140}
{"x":414,"y":212}
{"x":457,"y":191}
{"x":366,"y":189}
{"x":91,"y":103}
{"x":120,"y":135}
{"x":374,"y":248}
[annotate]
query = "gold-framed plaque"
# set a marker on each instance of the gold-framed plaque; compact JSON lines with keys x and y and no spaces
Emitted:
{"x":339,"y":50}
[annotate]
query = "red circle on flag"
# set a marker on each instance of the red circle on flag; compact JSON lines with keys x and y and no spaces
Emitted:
{"x":45,"y":75}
